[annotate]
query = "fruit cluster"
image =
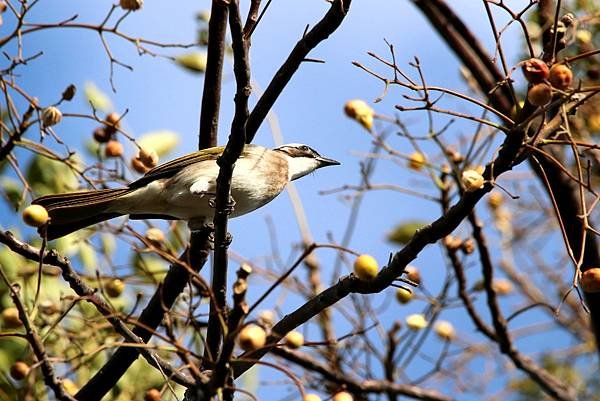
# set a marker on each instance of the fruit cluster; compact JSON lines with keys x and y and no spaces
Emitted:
{"x":544,"y":80}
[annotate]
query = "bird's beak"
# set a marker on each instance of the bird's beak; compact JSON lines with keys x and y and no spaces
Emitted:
{"x":324,"y":162}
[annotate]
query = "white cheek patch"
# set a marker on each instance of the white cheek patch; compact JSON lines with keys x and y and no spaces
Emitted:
{"x":300,"y":166}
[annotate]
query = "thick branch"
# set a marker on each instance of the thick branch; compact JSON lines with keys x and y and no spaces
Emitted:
{"x":226,"y":162}
{"x":211,"y":95}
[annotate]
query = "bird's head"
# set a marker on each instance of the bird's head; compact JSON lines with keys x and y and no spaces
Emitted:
{"x":303,"y":160}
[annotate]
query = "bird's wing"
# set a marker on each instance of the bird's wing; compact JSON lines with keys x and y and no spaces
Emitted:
{"x":171,"y":168}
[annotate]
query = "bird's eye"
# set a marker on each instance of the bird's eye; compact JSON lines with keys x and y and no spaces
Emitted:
{"x":304,"y":148}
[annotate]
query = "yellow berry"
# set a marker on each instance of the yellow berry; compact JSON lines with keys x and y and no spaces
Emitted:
{"x":266,"y":318}
{"x":472,"y":180}
{"x":294,"y":339}
{"x":416,"y":321}
{"x":343,"y":396}
{"x":19,"y":370}
{"x":495,"y":200}
{"x":35,"y":215}
{"x":114,"y":288}
{"x":155,"y":235}
{"x":502,"y":286}
{"x":403,"y":295}
{"x":366,"y":267}
{"x":10,"y":317}
{"x":416,"y":161}
{"x":252,"y":337}
{"x":51,"y":116}
{"x":445,"y":330}
{"x":311,"y":397}
{"x":360,"y":111}
{"x":452,"y":243}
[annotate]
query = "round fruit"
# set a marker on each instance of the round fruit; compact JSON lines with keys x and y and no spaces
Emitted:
{"x":131,"y":5}
{"x":138,"y":166}
{"x":360,"y":111}
{"x":413,"y":274}
{"x":155,"y":235}
{"x":112,"y":120}
{"x":472,"y":180}
{"x":561,"y":76}
{"x":539,"y":94}
{"x":404,"y":295}
{"x":10,"y":317}
{"x":311,"y":397}
{"x":416,"y":161}
{"x":51,"y":116}
{"x":416,"y":321}
{"x":445,"y":330}
{"x":114,"y":288}
{"x":590,"y":280}
{"x":366,"y":267}
{"x":19,"y":370}
{"x":113,"y":149}
{"x":343,"y":396}
{"x":452,"y":243}
{"x":535,"y":70}
{"x":101,"y":135}
{"x":152,"y":395}
{"x":495,"y":200}
{"x":266,"y":318}
{"x":149,"y":157}
{"x":294,"y":339}
{"x":468,"y":246}
{"x":252,"y":337}
{"x":35,"y":215}
{"x":354,"y":107}
{"x":502,"y":286}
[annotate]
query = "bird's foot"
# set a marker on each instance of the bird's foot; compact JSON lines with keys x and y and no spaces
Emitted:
{"x":228,"y":209}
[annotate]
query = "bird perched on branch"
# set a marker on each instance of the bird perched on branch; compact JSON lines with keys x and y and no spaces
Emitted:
{"x":182,"y":189}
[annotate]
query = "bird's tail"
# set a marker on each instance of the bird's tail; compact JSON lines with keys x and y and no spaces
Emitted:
{"x":73,"y":211}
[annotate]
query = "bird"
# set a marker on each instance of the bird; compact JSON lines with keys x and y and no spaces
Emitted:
{"x":183,"y":189}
